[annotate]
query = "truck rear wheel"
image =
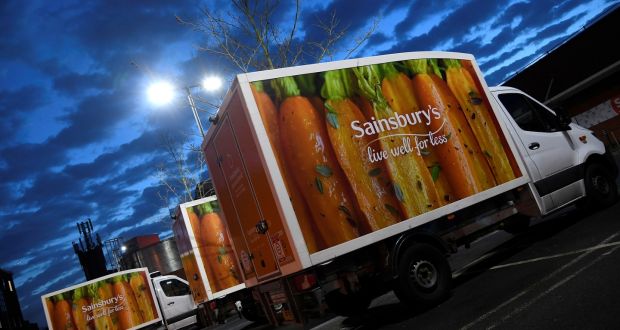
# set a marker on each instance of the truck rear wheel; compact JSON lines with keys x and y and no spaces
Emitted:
{"x":601,"y":189}
{"x":424,"y":276}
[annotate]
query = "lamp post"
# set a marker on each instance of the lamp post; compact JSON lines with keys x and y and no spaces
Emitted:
{"x":162,"y":92}
{"x":192,"y":106}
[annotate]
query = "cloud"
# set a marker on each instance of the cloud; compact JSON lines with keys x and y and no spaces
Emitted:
{"x":452,"y":23}
{"x":15,"y":107}
{"x":76,"y":84}
{"x":74,"y":273}
{"x":353,"y":17}
{"x":66,"y":70}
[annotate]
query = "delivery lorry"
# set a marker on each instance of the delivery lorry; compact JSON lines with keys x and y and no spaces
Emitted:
{"x":128,"y":299}
{"x":208,"y":259}
{"x":340,"y":181}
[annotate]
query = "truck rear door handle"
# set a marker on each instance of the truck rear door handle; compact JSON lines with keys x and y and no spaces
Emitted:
{"x":262,"y":227}
{"x":534,"y":146}
{"x":171,"y":303}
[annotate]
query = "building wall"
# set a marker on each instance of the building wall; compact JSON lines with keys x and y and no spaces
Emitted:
{"x":598,"y":108}
{"x":582,"y":76}
{"x":162,"y":256}
{"x":10,"y":311}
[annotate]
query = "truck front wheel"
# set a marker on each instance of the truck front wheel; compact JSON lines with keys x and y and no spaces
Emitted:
{"x":424,"y":276}
{"x":601,"y":189}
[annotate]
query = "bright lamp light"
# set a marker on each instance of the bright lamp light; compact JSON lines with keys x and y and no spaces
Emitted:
{"x":212,"y":83}
{"x":161,"y":92}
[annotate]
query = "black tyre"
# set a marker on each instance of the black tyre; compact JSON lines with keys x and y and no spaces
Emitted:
{"x":424,"y":276}
{"x":351,"y":304}
{"x":601,"y":188}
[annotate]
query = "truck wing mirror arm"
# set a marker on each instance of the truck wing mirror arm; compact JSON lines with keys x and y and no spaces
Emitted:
{"x":563,"y":118}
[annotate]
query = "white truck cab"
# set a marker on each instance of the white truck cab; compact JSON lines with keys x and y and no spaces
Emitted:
{"x":565,"y":161}
{"x":175,"y":301}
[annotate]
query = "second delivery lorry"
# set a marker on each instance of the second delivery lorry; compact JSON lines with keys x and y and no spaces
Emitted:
{"x":339,"y":181}
{"x":129,"y":299}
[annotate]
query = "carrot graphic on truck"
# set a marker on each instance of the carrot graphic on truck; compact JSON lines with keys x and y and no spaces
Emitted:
{"x":269,"y":115}
{"x":368,"y":180}
{"x":316,"y":172}
{"x":412,"y":181}
{"x":479,"y":118}
{"x":460,"y":156}
{"x":397,"y":89}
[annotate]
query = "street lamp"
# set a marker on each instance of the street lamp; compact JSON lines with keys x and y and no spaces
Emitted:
{"x":163,"y":92}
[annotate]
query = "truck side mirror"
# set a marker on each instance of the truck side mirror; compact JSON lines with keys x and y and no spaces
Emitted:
{"x":563,"y":119}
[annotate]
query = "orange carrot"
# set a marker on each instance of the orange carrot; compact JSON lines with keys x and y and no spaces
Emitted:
{"x":218,"y":249}
{"x":459,"y":154}
{"x":412,"y":182}
{"x":143,"y":296}
{"x":314,"y":166}
{"x":102,"y":319}
{"x":49,"y":304}
{"x":468,"y":65}
{"x":365,"y":106}
{"x":307,"y":87}
{"x":146,"y":279}
{"x":195,"y":224}
{"x":129,"y":313}
{"x":63,"y":319}
{"x":479,"y":117}
{"x":368,"y":179}
{"x":80,"y":300}
{"x":397,"y":89}
{"x":269,"y":115}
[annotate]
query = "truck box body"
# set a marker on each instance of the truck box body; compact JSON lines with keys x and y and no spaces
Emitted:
{"x":126,"y":299}
{"x":268,"y":184}
{"x":206,"y":252}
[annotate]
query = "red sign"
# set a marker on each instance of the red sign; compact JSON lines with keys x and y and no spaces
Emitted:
{"x":615,"y":104}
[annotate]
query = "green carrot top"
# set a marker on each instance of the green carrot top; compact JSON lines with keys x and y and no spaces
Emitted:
{"x":428,"y":66}
{"x":451,"y":63}
{"x":338,"y":85}
{"x":259,"y":86}
{"x":306,"y":84}
{"x":388,"y":70}
{"x":205,"y":208}
{"x":79,"y":293}
{"x":369,"y":79}
{"x":119,"y":278}
{"x":285,"y":87}
{"x":92,"y":290}
{"x":59,"y":297}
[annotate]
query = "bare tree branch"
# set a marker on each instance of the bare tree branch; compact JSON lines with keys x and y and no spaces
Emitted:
{"x":250,"y":38}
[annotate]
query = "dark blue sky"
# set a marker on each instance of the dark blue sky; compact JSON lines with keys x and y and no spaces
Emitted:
{"x":79,"y":140}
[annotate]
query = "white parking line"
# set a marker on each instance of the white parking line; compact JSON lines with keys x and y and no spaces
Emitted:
{"x":596,"y":247}
{"x":547,"y":278}
{"x":555,"y":286}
